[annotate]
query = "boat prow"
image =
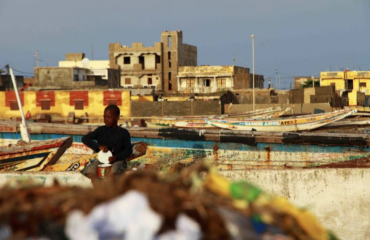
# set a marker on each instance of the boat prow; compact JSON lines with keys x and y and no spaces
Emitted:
{"x":33,"y":156}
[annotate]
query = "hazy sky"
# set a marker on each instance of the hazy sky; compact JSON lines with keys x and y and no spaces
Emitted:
{"x":299,"y":38}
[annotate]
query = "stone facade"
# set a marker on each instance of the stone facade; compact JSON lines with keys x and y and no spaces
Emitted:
{"x":207,"y":79}
{"x":76,"y":72}
{"x":153,"y":67}
{"x":259,"y":81}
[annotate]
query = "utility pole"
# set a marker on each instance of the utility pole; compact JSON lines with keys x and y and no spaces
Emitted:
{"x":276,"y":78}
{"x":92,"y":52}
{"x":7,"y":85}
{"x":254,"y":100}
{"x":313,"y":81}
{"x":37,"y":57}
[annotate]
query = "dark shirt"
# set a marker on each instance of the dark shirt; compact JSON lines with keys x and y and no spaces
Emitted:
{"x":116,"y":139}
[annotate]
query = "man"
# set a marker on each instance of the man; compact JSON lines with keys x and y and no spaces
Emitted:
{"x":106,"y":138}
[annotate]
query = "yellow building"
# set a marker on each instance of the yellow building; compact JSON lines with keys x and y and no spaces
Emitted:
{"x":355,"y":84}
{"x":61,"y":103}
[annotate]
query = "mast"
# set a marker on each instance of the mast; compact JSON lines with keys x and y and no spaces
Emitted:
{"x":23,"y":126}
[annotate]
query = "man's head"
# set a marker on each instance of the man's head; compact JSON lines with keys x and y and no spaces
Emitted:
{"x":111,"y":115}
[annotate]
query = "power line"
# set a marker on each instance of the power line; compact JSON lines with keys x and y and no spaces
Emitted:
{"x":22,"y":71}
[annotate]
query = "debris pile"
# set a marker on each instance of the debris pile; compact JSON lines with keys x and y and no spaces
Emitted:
{"x":196,"y":203}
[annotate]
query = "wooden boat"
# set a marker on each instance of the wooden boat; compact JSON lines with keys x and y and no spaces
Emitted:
{"x":27,"y":155}
{"x":198,"y":121}
{"x":300,"y":123}
{"x":229,"y":150}
{"x":76,"y":162}
{"x":201,"y":123}
{"x":34,"y":156}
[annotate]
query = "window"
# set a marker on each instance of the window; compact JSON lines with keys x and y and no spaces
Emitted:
{"x":169,"y":41}
{"x":79,"y":105}
{"x":127,"y":60}
{"x":45,"y":104}
{"x":190,"y":83}
{"x":207,"y":82}
{"x":350,"y":84}
{"x":128,"y":81}
{"x":75,"y":77}
{"x":14,"y":105}
{"x":362,"y":84}
{"x":169,"y":59}
{"x":150,"y":81}
{"x":221,"y":83}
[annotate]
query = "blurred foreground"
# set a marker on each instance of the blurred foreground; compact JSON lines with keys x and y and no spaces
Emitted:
{"x":196,"y":203}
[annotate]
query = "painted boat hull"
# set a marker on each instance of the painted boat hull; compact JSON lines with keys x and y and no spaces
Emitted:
{"x":285,"y":124}
{"x":34,"y":156}
{"x":228,"y":149}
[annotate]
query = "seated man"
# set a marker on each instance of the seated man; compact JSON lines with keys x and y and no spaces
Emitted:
{"x":109,"y":137}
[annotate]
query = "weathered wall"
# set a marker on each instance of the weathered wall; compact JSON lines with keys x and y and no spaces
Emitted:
{"x":167,"y":108}
{"x":59,"y":78}
{"x":242,"y":78}
{"x":338,"y":197}
{"x":296,"y":96}
{"x":262,"y":96}
{"x":146,"y":109}
{"x":307,"y":92}
{"x":62,"y":106}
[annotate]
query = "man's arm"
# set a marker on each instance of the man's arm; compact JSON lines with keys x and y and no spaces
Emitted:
{"x":127,"y":147}
{"x":89,"y":138}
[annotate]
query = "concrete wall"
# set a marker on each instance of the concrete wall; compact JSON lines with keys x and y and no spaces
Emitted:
{"x":62,"y":106}
{"x":242,"y":78}
{"x":62,"y":78}
{"x":307,"y":92}
{"x":338,"y":197}
{"x":167,"y":108}
{"x":296,"y":96}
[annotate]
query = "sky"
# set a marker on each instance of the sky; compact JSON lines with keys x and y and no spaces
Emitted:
{"x":292,"y":37}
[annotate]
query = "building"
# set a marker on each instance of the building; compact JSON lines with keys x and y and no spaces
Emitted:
{"x":153,"y":67}
{"x":6,"y":83}
{"x":76,"y":72}
{"x":355,"y":85}
{"x":259,"y":81}
{"x":207,"y":79}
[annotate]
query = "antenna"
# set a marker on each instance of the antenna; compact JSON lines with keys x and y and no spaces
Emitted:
{"x":37,"y":57}
{"x":276,"y":79}
{"x":92,"y":52}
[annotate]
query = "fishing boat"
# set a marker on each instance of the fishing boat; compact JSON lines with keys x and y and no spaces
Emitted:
{"x":198,"y":121}
{"x":27,"y":155}
{"x":290,"y":124}
{"x":202,"y":124}
{"x":33,"y":156}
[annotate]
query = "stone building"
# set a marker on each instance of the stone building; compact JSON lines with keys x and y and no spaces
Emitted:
{"x":76,"y":72}
{"x":208,"y":79}
{"x":153,"y":67}
{"x":259,"y":81}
